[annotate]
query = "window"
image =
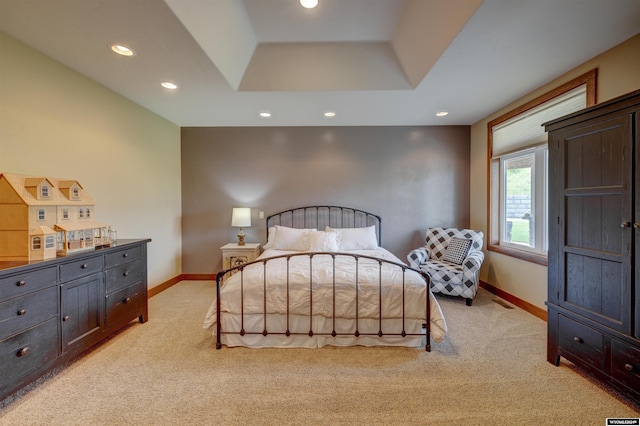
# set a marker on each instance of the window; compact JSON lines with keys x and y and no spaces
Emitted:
{"x":75,"y":193}
{"x":36,"y":243}
{"x":49,"y":242}
{"x":65,"y":214}
{"x":44,"y":191}
{"x":518,"y":158}
{"x":82,"y":215}
{"x":40,"y":214}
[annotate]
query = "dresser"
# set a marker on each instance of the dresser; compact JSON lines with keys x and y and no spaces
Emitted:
{"x":594,"y":242}
{"x":52,"y":310}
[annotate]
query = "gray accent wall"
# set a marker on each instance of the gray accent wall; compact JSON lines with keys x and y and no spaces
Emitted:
{"x":414,"y":177}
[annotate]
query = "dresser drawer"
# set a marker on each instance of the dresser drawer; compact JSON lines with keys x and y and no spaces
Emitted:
{"x":28,"y":352}
{"x":123,"y":275}
{"x":72,"y":270}
{"x":581,"y":341}
{"x":26,"y":311}
{"x":27,"y":282}
{"x":625,"y":364}
{"x":126,"y":304}
{"x":123,"y":256}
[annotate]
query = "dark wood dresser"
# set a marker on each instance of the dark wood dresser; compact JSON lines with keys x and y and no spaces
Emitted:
{"x":594,"y":242}
{"x":52,"y":310}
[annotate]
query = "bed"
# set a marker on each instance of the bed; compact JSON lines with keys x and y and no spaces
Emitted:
{"x":324,"y":279}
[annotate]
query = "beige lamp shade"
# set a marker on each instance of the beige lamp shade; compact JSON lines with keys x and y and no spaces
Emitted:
{"x":241,"y":217}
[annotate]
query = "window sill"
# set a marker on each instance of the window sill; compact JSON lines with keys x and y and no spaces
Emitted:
{"x":519,"y":254}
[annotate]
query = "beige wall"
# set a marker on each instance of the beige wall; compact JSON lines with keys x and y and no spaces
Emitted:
{"x":618,"y":73}
{"x":55,"y":122}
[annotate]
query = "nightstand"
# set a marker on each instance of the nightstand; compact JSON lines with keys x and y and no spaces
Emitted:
{"x":234,"y":255}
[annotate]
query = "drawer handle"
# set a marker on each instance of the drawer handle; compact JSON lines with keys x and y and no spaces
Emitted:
{"x":629,"y":367}
{"x":22,"y":311}
{"x":636,"y":225}
{"x":126,"y":300}
{"x":125,"y":255}
{"x":625,"y":224}
{"x":65,"y":318}
{"x":21,"y":283}
{"x":84,"y":266}
{"x":578,"y":340}
{"x":23,"y":352}
{"x":124,"y":274}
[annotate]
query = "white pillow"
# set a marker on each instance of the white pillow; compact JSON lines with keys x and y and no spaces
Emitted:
{"x":356,"y":238}
{"x":271,"y":238}
{"x":323,"y":241}
{"x":286,"y":238}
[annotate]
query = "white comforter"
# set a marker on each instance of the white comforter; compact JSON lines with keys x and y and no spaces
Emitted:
{"x":315,"y":296}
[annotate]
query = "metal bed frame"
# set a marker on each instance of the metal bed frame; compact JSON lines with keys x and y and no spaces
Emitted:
{"x":319,"y":217}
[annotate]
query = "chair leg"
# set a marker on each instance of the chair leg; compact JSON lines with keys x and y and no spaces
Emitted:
{"x":469,"y":301}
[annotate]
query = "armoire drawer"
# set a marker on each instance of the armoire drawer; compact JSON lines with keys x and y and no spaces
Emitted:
{"x":581,"y":341}
{"x":126,"y":304}
{"x":122,"y":256}
{"x":123,"y":275}
{"x":16,"y":285}
{"x":27,"y":352}
{"x":20,"y":313}
{"x":80,"y":268}
{"x":625,"y":364}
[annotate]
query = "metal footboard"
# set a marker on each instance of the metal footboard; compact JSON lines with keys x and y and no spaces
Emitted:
{"x":225,"y":275}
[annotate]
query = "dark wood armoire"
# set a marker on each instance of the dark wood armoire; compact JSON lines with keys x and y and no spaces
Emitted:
{"x":594,"y":241}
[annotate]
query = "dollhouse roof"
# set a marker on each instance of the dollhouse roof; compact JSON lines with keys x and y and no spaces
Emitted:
{"x":20,"y":183}
{"x":42,"y":230}
{"x":76,"y":226}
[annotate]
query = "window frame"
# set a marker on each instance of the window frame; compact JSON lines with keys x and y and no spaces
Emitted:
{"x":588,"y":79}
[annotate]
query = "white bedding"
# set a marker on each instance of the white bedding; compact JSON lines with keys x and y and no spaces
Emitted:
{"x":319,"y":302}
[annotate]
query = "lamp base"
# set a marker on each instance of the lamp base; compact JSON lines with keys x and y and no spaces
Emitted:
{"x":241,"y":238}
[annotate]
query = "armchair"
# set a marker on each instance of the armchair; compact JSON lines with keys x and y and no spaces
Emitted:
{"x":452,"y":257}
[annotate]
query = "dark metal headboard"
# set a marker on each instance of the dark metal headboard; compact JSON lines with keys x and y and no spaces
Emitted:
{"x":321,"y":216}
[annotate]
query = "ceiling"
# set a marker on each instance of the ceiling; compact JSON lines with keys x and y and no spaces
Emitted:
{"x":372,"y":62}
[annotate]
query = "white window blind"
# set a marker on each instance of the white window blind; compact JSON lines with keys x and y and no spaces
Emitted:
{"x":525,"y":130}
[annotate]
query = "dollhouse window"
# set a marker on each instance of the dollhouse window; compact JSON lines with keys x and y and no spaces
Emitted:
{"x":81,"y":213}
{"x":36,"y":243}
{"x":44,"y":191}
{"x":49,"y":242}
{"x":75,"y":193}
{"x":65,"y":213}
{"x":88,"y":212}
{"x":40,"y":214}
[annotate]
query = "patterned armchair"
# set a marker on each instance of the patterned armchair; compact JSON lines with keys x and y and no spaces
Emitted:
{"x":452,"y":257}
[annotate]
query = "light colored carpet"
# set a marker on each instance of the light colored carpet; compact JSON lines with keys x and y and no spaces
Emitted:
{"x":490,"y":369}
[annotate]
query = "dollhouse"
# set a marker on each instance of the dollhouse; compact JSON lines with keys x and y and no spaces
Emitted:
{"x":44,"y":217}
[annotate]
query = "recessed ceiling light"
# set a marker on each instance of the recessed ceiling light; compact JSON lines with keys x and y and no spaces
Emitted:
{"x":122,"y":50}
{"x":309,"y":4}
{"x":265,"y":114}
{"x":330,"y":114}
{"x":441,"y":113}
{"x":169,"y":85}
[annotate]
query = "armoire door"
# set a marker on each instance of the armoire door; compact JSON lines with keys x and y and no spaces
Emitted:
{"x":636,"y":227}
{"x":596,"y":220}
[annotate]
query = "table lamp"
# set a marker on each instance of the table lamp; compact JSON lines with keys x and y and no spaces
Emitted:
{"x":241,"y":218}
